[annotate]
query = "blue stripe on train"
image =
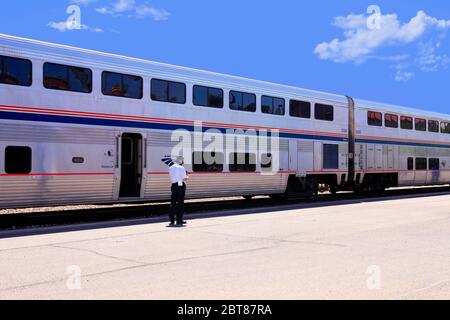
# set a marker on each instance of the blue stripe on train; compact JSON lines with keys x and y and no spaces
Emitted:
{"x":164,"y":126}
{"x":133,"y":124}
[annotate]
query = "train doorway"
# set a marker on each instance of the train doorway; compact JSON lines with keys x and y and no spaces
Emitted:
{"x":131,"y":165}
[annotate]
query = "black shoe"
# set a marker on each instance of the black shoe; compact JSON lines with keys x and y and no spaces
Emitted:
{"x":172,"y":224}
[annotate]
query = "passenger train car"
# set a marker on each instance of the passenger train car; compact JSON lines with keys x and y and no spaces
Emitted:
{"x":79,"y":126}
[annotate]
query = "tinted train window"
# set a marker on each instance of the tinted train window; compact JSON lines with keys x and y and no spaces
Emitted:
{"x":331,"y":156}
{"x":391,"y":120}
{"x":374,"y":119}
{"x":15,"y":71}
{"x":421,"y":124}
{"x":168,"y":91}
{"x":17,"y":160}
{"x":242,"y":101}
{"x":410,"y":164}
{"x":208,"y":162}
{"x":421,"y":163}
{"x":272,"y":105}
{"x":445,"y":127}
{"x":208,"y":97}
{"x":433,"y":164}
{"x":300,"y":109}
{"x":433,"y":126}
{"x":122,"y":85}
{"x":242,"y":162}
{"x":406,"y":123}
{"x":67,"y":78}
{"x":324,"y":112}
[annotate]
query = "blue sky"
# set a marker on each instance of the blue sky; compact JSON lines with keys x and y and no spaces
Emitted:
{"x":322,"y":45}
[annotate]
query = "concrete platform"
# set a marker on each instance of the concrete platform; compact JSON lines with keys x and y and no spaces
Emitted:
{"x":385,"y":249}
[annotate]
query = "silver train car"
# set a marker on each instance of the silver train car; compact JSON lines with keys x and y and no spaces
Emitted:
{"x":79,"y":126}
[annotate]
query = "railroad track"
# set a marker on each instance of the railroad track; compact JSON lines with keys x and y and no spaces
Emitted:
{"x":107,"y":213}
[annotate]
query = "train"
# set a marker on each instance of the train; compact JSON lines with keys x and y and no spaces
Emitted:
{"x":79,"y":126}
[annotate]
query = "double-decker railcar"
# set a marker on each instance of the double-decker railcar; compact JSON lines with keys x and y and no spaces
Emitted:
{"x":79,"y":126}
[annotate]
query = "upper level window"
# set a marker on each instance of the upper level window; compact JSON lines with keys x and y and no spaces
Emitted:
{"x":324,"y":112}
{"x":67,"y":78}
{"x":15,"y":71}
{"x":421,"y":124}
{"x":433,"y":126}
{"x":168,"y":91}
{"x":391,"y":120}
{"x":208,"y":97}
{"x":300,"y":109}
{"x":445,"y":127}
{"x":406,"y":122}
{"x":272,"y":105}
{"x":374,"y":118}
{"x":242,"y":101}
{"x":122,"y":85}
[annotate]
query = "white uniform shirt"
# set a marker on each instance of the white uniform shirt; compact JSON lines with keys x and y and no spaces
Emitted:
{"x":177,"y":174}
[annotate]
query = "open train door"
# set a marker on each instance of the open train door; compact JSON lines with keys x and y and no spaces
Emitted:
{"x":131,"y":164}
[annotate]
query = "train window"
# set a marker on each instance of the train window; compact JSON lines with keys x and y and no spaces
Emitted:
{"x":300,"y":109}
{"x":168,"y":91}
{"x":15,"y":71}
{"x":122,"y":85}
{"x":208,"y":162}
{"x":17,"y":160}
{"x":391,"y":120}
{"x":421,"y":124}
{"x":421,"y":163}
{"x":242,"y":101}
{"x":273,"y":105}
{"x":324,"y":112}
{"x":433,"y":164}
{"x":433,"y":126}
{"x":242,"y":162}
{"x":445,"y":127}
{"x":374,"y":118}
{"x":208,"y":97}
{"x":67,"y":78}
{"x":406,"y":123}
{"x":266,"y":161}
{"x":331,"y":156}
{"x":410,"y":164}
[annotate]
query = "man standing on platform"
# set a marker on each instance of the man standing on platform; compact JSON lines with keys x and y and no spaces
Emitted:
{"x":178,"y":178}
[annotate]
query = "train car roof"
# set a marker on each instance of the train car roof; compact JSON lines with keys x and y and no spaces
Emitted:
{"x":40,"y":49}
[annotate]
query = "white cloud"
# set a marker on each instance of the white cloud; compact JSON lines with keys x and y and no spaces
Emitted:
{"x":82,"y":2}
{"x":360,"y":42}
{"x":403,"y":75}
{"x":428,"y":60}
{"x":155,"y":14}
{"x":134,"y":10}
{"x":64,"y":26}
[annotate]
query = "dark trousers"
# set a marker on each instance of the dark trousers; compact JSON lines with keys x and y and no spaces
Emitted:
{"x":177,"y":203}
